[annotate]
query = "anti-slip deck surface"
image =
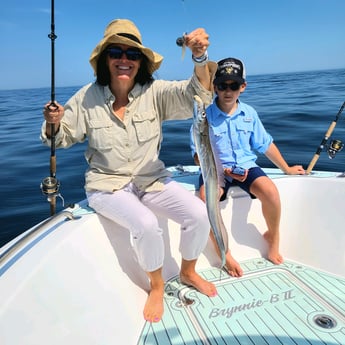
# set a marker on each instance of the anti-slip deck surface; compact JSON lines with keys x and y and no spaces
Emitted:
{"x":285,"y":304}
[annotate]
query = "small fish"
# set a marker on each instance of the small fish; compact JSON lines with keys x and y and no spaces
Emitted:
{"x":210,"y":175}
{"x":181,"y":42}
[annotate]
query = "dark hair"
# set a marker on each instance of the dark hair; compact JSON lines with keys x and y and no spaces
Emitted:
{"x":103,"y":76}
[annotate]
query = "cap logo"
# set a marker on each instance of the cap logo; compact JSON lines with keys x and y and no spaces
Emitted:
{"x":229,"y":70}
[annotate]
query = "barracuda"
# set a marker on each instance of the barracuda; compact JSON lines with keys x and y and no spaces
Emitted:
{"x":209,"y":172}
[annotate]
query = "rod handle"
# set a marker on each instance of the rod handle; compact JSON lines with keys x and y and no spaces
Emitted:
{"x":312,"y":163}
{"x":53,"y":166}
{"x":320,"y":148}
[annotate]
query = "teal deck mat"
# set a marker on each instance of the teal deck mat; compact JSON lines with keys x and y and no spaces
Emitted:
{"x":285,"y":304}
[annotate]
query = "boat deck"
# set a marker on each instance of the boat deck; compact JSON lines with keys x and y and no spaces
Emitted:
{"x":285,"y":304}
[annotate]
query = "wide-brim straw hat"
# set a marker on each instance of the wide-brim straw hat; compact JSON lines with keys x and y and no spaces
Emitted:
{"x":123,"y":31}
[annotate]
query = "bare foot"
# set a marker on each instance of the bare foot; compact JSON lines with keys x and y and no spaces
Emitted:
{"x":273,"y":248}
{"x":154,"y":306}
{"x":232,"y":266}
{"x":202,"y":285}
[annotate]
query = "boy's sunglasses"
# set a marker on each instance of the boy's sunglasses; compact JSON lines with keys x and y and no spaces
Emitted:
{"x":224,"y":86}
{"x":131,"y":53}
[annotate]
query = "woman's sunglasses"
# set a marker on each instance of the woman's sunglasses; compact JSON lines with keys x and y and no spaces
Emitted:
{"x":131,"y":53}
{"x":224,"y":86}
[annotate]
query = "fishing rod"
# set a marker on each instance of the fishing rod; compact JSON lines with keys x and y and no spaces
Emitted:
{"x":336,"y":145}
{"x":50,"y":185}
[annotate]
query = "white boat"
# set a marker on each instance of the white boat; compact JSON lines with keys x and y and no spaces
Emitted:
{"x":74,"y":278}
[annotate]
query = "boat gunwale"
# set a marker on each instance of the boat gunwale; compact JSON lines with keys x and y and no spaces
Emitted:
{"x":20,"y":242}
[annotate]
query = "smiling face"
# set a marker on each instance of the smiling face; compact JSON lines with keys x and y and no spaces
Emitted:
{"x":122,"y":66}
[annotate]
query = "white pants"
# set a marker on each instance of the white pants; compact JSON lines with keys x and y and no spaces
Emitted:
{"x":135,"y":210}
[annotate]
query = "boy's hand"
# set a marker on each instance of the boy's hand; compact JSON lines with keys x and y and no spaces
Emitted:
{"x":238,"y":177}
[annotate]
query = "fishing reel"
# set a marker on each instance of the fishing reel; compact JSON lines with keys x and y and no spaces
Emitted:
{"x":334,"y":147}
{"x":50,"y":187}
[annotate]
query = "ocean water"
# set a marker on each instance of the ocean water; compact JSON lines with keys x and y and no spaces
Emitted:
{"x":296,"y":108}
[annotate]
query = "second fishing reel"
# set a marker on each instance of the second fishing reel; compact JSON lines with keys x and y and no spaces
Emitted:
{"x":334,"y":147}
{"x":50,"y":187}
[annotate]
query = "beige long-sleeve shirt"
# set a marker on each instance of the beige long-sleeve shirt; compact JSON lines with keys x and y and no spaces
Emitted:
{"x":125,"y":151}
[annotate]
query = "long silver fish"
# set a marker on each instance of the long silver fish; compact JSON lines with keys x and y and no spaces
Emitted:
{"x":209,"y":166}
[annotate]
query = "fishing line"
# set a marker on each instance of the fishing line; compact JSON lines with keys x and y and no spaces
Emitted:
{"x":180,"y":41}
{"x":50,"y":185}
{"x":335,"y":146}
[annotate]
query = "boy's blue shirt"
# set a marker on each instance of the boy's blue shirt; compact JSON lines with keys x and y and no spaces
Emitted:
{"x":235,"y":138}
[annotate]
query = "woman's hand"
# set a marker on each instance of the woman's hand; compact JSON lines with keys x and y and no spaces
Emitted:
{"x":197,"y":41}
{"x":53,"y":112}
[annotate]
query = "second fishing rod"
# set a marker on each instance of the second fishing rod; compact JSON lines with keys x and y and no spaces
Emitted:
{"x":50,"y":185}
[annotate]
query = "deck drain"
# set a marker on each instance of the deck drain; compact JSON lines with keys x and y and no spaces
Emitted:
{"x":188,"y":301}
{"x":324,"y":321}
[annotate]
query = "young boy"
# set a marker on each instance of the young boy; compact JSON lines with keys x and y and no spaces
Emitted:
{"x":236,"y":132}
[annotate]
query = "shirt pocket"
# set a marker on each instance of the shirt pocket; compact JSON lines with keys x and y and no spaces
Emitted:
{"x":245,"y":127}
{"x":146,"y":126}
{"x":100,"y":137}
{"x":244,"y":132}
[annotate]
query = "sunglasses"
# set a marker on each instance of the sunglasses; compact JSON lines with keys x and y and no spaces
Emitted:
{"x":224,"y":86}
{"x":131,"y":53}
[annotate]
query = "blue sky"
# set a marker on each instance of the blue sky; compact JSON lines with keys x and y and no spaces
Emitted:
{"x":271,"y":36}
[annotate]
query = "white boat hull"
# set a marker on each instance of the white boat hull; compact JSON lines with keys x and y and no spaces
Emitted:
{"x":78,"y":281}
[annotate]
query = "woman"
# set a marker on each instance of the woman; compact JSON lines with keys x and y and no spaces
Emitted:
{"x":121,"y":116}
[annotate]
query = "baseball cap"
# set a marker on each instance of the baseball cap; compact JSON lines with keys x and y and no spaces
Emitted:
{"x":230,"y":69}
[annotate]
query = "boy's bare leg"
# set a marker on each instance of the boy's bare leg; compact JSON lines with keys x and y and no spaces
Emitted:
{"x":273,"y":247}
{"x":266,"y":191}
{"x":232,"y":266}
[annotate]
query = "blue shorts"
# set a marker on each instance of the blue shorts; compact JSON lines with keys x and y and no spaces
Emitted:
{"x":253,"y":174}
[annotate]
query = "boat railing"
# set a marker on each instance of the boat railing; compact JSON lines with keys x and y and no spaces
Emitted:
{"x":23,"y":240}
